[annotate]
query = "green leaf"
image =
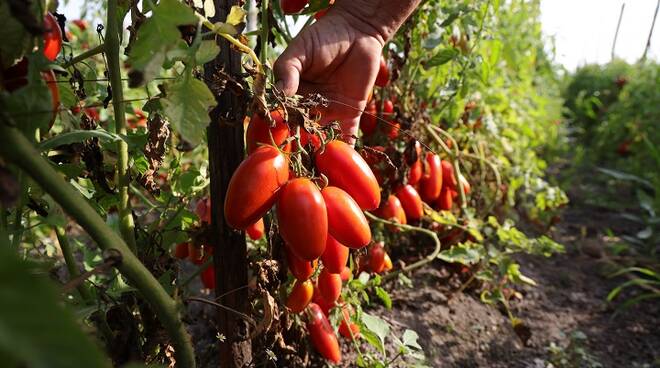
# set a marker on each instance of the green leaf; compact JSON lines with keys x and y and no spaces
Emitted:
{"x":34,"y":326}
{"x":441,"y":217}
{"x":236,"y":16}
{"x":645,"y":233}
{"x":514,"y":274}
{"x":187,"y":107}
{"x":206,"y":52}
{"x":378,"y":326}
{"x":384,"y":297}
{"x":620,"y":175}
{"x":158,"y":35}
{"x":67,"y":97}
{"x":189,"y":182}
{"x":441,"y":57}
{"x":467,"y":253}
{"x":30,"y":107}
{"x":78,"y":136}
{"x":372,"y":339}
{"x":363,"y":278}
{"x":450,"y":19}
{"x":409,"y":339}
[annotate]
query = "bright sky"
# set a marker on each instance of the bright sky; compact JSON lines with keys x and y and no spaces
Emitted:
{"x":583,"y":29}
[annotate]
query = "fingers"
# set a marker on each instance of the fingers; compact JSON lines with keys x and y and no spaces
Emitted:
{"x":287,"y":70}
{"x":349,"y":130}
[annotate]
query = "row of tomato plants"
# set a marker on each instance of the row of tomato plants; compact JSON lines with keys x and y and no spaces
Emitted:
{"x":389,"y":174}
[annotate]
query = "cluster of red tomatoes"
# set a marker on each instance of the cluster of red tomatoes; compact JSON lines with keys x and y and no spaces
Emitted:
{"x":429,"y":178}
{"x":320,"y":217}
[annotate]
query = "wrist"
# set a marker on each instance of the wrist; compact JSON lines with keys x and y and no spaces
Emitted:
{"x":378,"y":18}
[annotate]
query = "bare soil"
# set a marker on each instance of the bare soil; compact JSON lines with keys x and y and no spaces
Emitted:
{"x":567,"y":310}
{"x":571,"y":323}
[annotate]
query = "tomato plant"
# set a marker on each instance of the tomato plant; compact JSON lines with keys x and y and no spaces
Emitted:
{"x":132,"y":132}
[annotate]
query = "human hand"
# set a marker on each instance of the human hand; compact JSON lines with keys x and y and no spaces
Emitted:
{"x":336,"y":59}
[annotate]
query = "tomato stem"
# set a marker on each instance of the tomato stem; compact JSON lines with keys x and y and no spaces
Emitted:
{"x":71,"y":264}
{"x":126,"y":222}
{"x":265,"y":29}
{"x":238,"y":44}
{"x":429,"y":258}
{"x":85,"y":55}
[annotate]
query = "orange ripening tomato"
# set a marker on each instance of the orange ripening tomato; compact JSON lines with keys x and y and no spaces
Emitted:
{"x":256,"y":230}
{"x":292,"y":6}
{"x":345,"y":274}
{"x":254,"y":187}
{"x":203,"y":210}
{"x":301,"y":270}
{"x":346,"y":326}
{"x":208,"y":277}
{"x":300,"y":296}
{"x":392,"y":129}
{"x":377,"y":257}
{"x":322,"y":335}
{"x":346,"y":169}
{"x":303,"y":218}
{"x":259,"y":132}
{"x":387,"y":263}
{"x":335,"y":255}
{"x":346,"y":221}
{"x":448,"y":177}
{"x":445,"y":200}
{"x":321,"y":302}
{"x":415,"y":172}
{"x":52,"y":37}
{"x":329,"y":285}
{"x":181,"y":250}
{"x":392,"y":210}
{"x":368,"y":120}
{"x":430,"y":184}
{"x":383,"y":77}
{"x":411,"y":202}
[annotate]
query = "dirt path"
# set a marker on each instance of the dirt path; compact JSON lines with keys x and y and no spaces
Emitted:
{"x":572,"y":325}
{"x":567,"y":310}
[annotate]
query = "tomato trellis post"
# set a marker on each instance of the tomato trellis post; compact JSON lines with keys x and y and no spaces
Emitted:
{"x":225,"y":137}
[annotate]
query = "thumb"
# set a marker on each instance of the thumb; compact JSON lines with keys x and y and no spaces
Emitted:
{"x":287,"y":72}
